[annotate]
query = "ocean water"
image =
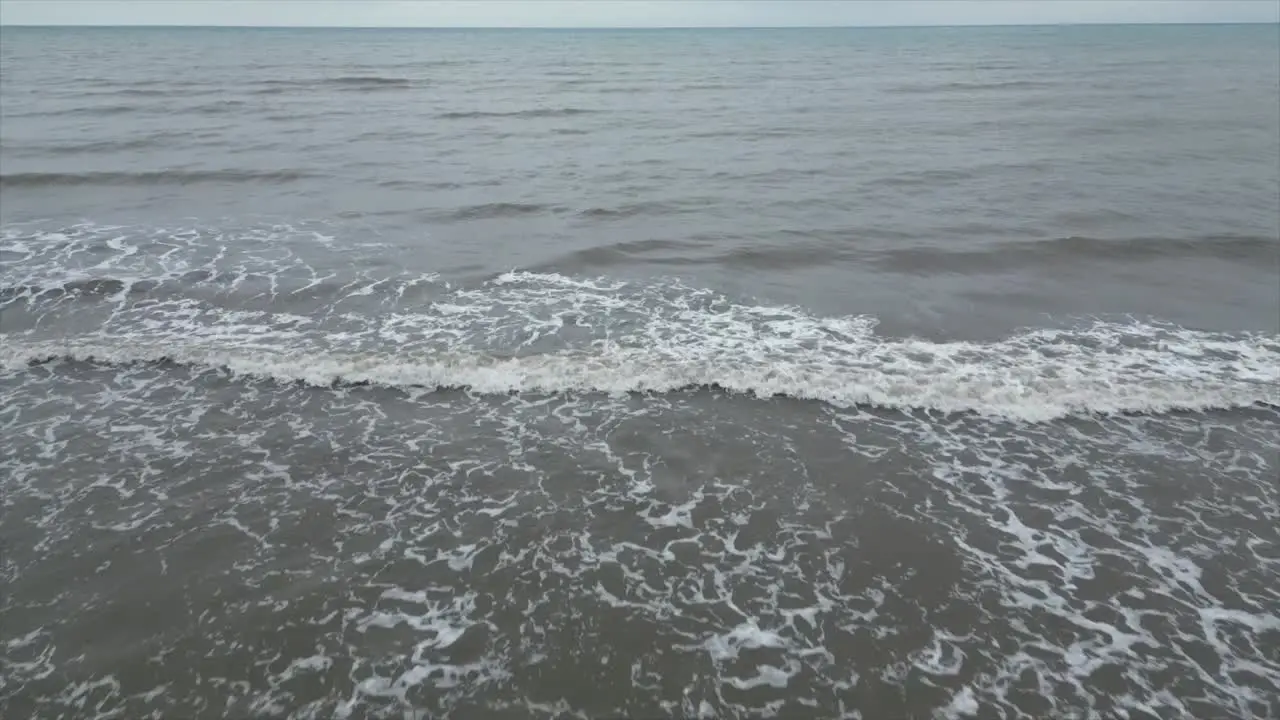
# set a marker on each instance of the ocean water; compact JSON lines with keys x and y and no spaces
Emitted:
{"x":701,"y":374}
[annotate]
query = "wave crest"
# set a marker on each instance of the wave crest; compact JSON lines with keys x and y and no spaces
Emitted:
{"x":1035,"y":377}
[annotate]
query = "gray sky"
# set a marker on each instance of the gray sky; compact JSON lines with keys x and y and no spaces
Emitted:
{"x":627,"y":13}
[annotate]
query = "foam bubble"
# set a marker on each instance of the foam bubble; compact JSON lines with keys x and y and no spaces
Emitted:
{"x":962,"y":705}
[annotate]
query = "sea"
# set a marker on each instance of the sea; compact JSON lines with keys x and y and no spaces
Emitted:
{"x":846,"y":373}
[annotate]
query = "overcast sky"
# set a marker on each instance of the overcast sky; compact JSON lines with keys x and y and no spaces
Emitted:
{"x":627,"y":13}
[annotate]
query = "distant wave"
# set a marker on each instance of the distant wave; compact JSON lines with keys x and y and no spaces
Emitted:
{"x":218,"y":107}
{"x":708,"y":86}
{"x":92,"y":110}
{"x":803,"y":251}
{"x":925,"y":178}
{"x":631,"y":210}
{"x":135,"y":90}
{"x":577,"y":81}
{"x":1255,"y":247}
{"x":751,"y":134}
{"x":421,"y":185}
{"x":358,"y":83}
{"x":692,"y":253}
{"x":152,"y":177}
{"x":149,"y":92}
{"x":368,"y":80}
{"x":101,"y":146}
{"x":1242,"y":248}
{"x":929,"y":88}
{"x":493,"y":210}
{"x":656,"y":252}
{"x":538,"y":113}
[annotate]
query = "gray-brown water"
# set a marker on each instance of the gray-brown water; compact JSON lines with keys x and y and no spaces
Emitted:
{"x":805,"y":374}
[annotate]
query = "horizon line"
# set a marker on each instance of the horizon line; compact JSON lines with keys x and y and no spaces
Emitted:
{"x":159,"y":26}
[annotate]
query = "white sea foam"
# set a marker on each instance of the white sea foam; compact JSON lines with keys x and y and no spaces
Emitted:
{"x":1037,"y":376}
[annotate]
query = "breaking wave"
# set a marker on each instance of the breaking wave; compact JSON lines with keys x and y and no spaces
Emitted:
{"x":1036,"y":376}
{"x":180,"y":297}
